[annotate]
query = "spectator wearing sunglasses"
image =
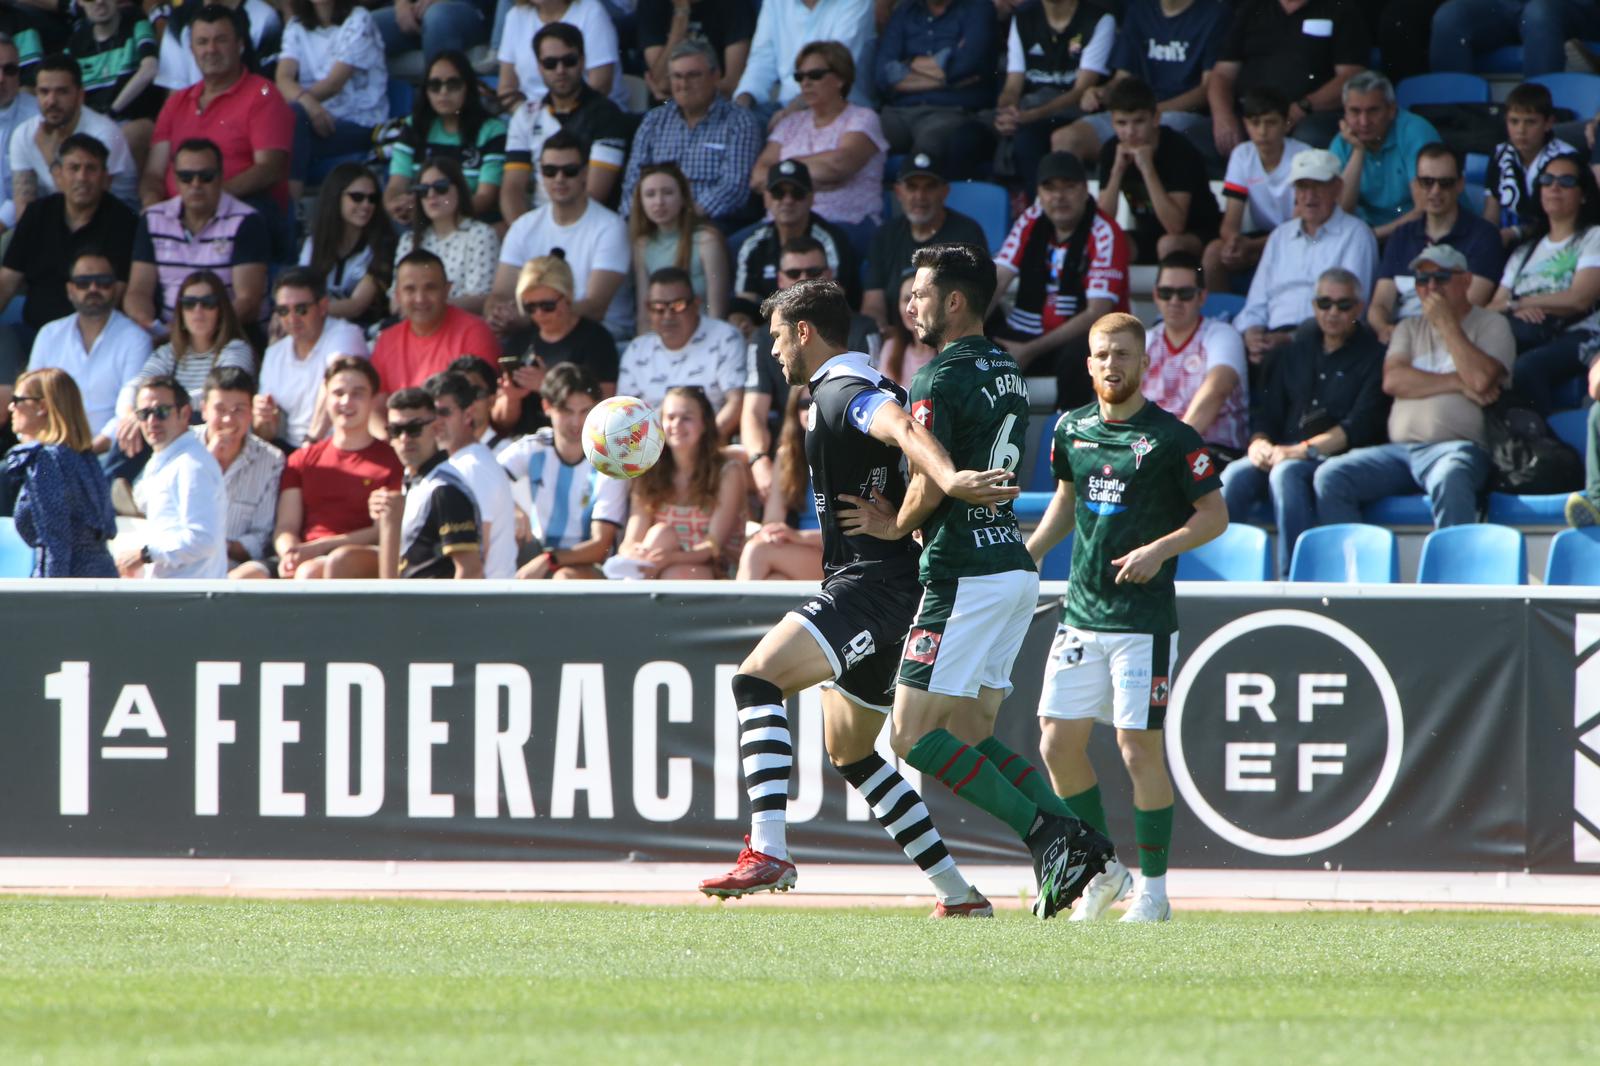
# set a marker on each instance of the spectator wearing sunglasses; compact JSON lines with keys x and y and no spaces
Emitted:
{"x":53,"y":231}
{"x":430,"y":529}
{"x":442,"y":223}
{"x":352,"y":245}
{"x":571,"y":104}
{"x":789,"y":198}
{"x":181,"y":494}
{"x":202,"y":228}
{"x":290,"y":408}
{"x":1443,"y":368}
{"x":454,"y":396}
{"x":101,"y":347}
{"x":783,"y":27}
{"x":205,"y":335}
{"x":593,"y":239}
{"x":1436,"y":190}
{"x":685,"y":348}
{"x":1324,"y":397}
{"x":448,"y":119}
{"x":333,"y":75}
{"x":559,"y":335}
{"x":16,"y":107}
{"x":251,"y":468}
{"x":1551,"y":283}
{"x":522,"y":76}
{"x":1197,"y":367}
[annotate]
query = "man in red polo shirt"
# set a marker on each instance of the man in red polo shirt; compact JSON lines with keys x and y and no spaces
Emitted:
{"x":241,"y":113}
{"x":433,"y":334}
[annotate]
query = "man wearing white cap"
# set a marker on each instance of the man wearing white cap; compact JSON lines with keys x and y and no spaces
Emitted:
{"x":1443,"y":368}
{"x":1320,"y":236}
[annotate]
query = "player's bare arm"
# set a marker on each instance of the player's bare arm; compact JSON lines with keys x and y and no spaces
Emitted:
{"x":875,"y":516}
{"x":891,"y":425}
{"x":1058,"y":522}
{"x":1210,"y":518}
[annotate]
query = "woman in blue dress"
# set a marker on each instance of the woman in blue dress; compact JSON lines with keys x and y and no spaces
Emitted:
{"x":63,"y":507}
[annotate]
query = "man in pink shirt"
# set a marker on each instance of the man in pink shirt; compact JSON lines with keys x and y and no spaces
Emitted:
{"x":434,"y":334}
{"x":241,"y":113}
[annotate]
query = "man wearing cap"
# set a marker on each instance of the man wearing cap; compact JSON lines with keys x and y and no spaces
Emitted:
{"x":921,"y":190}
{"x":1320,"y":236}
{"x":1073,"y":263}
{"x":1443,"y":368}
{"x":1436,"y":189}
{"x":788,"y":199}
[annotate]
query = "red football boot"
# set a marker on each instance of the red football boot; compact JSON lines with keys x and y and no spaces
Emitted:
{"x":754,"y":872}
{"x":974,"y":906}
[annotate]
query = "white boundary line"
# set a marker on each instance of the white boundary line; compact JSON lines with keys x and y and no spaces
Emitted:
{"x":270,"y":875}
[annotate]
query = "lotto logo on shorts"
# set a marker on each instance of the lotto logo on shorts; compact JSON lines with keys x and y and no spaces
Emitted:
{"x":1199,"y":463}
{"x":1159,"y":689}
{"x":922,"y":411}
{"x":922,"y":646}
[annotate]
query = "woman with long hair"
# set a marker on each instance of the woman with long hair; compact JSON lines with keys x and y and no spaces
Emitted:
{"x":903,"y":354}
{"x":1551,"y":283}
{"x":351,"y":244}
{"x":443,"y":224}
{"x":448,"y":119}
{"x":789,"y":545}
{"x":666,"y":229}
{"x":686,"y":519}
{"x":63,"y":505}
{"x":205,"y":335}
{"x":333,"y":73}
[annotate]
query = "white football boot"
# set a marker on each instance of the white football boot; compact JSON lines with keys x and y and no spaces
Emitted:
{"x":1148,"y":909}
{"x":1107,"y":888}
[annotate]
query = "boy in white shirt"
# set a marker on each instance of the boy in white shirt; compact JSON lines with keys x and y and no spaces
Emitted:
{"x":1256,"y":187}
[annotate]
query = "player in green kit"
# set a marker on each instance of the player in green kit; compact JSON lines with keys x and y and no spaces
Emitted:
{"x":1140,"y":488}
{"x":980,"y":587}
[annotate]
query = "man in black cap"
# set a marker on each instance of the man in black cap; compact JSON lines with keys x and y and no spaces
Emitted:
{"x":923,"y":219}
{"x":788,"y":202}
{"x":1073,"y":263}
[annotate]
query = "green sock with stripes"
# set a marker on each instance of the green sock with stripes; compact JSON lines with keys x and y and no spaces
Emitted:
{"x":1152,"y":830}
{"x":1024,"y":777}
{"x":965,"y":771}
{"x":1086,"y":805}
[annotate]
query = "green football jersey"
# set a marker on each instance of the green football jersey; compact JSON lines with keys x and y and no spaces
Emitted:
{"x":973,"y":398}
{"x":1136,"y":481}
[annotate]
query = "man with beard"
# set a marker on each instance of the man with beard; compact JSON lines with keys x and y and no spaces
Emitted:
{"x":1140,"y":488}
{"x":36,"y":144}
{"x":980,"y":588}
{"x":923,"y":220}
{"x":847,"y":637}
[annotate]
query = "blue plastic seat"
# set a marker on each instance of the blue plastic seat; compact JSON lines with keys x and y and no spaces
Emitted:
{"x":16,"y":558}
{"x":1574,"y":558}
{"x":1510,"y":509}
{"x":1222,"y":306}
{"x":1505,"y":60}
{"x":987,"y":204}
{"x":1572,"y":427}
{"x":1057,"y":566}
{"x":1040,"y":479}
{"x":1447,"y":88}
{"x":1349,"y":552}
{"x":1240,"y":554}
{"x":1412,"y":510}
{"x":1580,"y":92}
{"x":402,"y":96}
{"x":1478,"y":554}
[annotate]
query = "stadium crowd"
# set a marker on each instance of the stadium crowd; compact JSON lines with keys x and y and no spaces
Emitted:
{"x":305,"y":331}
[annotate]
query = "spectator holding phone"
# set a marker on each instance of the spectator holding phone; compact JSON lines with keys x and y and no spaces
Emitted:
{"x":560,"y":335}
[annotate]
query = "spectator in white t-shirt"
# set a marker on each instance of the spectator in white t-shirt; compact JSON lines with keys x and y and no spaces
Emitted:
{"x":453,"y":396}
{"x":36,"y":142}
{"x":685,"y":348}
{"x":333,"y":74}
{"x":592,"y":239}
{"x":1256,"y":187}
{"x":289,"y":406}
{"x":522,"y":78}
{"x":1197,"y":367}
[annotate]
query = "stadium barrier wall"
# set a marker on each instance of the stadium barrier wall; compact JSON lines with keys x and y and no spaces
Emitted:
{"x":1310,"y":727}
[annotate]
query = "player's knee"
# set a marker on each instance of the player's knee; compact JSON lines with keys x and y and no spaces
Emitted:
{"x":902,"y":738}
{"x":1142,"y":755}
{"x":752,"y":691}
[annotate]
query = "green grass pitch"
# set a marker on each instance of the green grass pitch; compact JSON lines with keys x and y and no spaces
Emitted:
{"x":210,"y":981}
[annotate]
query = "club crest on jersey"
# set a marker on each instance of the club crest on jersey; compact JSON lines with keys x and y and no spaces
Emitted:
{"x":1141,"y":448}
{"x":1159,"y":691}
{"x":922,"y":646}
{"x":922,"y":411}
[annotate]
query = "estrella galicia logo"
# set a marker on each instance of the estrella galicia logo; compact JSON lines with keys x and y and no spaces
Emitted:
{"x":1284,"y":732}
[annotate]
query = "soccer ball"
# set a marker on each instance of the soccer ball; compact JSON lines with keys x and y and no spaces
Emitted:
{"x":622,"y":437}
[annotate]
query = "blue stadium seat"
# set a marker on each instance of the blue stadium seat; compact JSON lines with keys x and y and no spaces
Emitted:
{"x":402,"y":95}
{"x":1349,"y":552}
{"x":1475,"y":168}
{"x":1240,"y":554}
{"x":16,"y":558}
{"x":1030,"y":505}
{"x":1506,"y":60}
{"x":1572,"y":427}
{"x":1041,"y":479}
{"x":987,"y":204}
{"x":1474,"y":555}
{"x":1574,"y":558}
{"x":1580,"y":92}
{"x":1058,"y":564}
{"x":1399,"y":511}
{"x":1509,"y":509}
{"x":1446,"y":88}
{"x":1222,"y":306}
{"x":1570,"y":393}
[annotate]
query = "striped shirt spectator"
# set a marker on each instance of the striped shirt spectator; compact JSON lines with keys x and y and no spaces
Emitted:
{"x":234,"y":237}
{"x":251,"y":482}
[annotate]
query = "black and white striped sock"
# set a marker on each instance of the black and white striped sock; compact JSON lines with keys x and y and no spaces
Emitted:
{"x":767,"y":753}
{"x":900,"y":810}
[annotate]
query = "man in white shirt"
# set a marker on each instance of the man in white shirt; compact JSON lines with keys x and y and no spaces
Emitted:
{"x":251,"y":468}
{"x":16,"y":107}
{"x":181,"y":493}
{"x":102,"y":348}
{"x":592,"y":239}
{"x":1197,"y":366}
{"x":288,"y":405}
{"x":784,"y":27}
{"x":36,"y":142}
{"x":1299,"y":250}
{"x":686,"y":348}
{"x":453,"y":394}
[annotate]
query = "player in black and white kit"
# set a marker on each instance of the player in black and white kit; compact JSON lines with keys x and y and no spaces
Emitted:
{"x":849,"y":636}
